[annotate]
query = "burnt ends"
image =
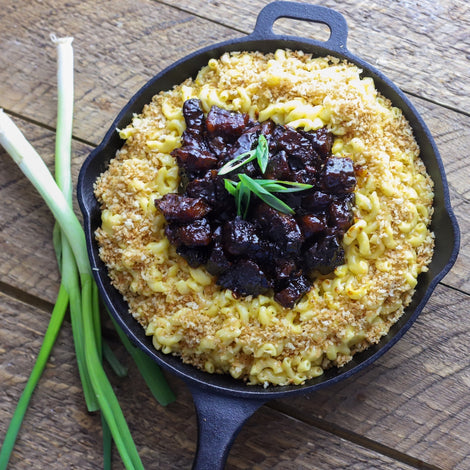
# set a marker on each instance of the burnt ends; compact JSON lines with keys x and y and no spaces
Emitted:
{"x":268,"y":251}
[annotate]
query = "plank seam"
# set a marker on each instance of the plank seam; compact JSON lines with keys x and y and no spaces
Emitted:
{"x":23,"y":297}
{"x":220,"y":23}
{"x":353,"y":437}
{"x":46,"y":126}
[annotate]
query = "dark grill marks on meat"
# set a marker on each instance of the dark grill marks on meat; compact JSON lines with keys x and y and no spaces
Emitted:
{"x":269,"y":251}
{"x":182,"y":209}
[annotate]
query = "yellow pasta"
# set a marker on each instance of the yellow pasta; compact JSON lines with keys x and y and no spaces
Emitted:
{"x":255,"y":339}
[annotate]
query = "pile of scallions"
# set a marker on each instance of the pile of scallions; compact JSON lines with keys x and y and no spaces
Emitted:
{"x":78,"y":291}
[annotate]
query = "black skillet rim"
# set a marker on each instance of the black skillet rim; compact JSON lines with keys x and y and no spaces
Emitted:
{"x":264,"y":42}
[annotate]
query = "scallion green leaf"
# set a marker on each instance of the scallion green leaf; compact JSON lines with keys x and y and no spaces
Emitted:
{"x":77,"y":281}
{"x":244,"y":196}
{"x":230,"y":186}
{"x":149,"y":370}
{"x":50,"y":336}
{"x":236,"y":163}
{"x":263,"y":188}
{"x":264,"y":194}
{"x":119,"y":369}
{"x":278,"y":186}
{"x":262,"y":153}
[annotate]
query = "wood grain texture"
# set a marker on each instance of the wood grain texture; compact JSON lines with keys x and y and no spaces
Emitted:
{"x":118,"y":47}
{"x":58,"y":433}
{"x":409,"y":410}
{"x":27,"y":259}
{"x":422,"y":46}
{"x":415,"y":398}
{"x":451,"y":132}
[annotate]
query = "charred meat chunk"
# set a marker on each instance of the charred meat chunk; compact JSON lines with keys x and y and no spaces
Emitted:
{"x":340,"y":215}
{"x":194,"y":116}
{"x":295,"y":289}
{"x":267,"y":128}
{"x":338,"y":175}
{"x":316,"y":201}
{"x":217,"y":145}
{"x":218,"y":262}
{"x":194,"y":159}
{"x":268,"y":251}
{"x":325,"y":255}
{"x":240,"y":237}
{"x":245,"y":277}
{"x":193,"y":135}
{"x":312,"y":224}
{"x":194,"y":255}
{"x":293,"y":142}
{"x":197,"y":233}
{"x":211,"y":188}
{"x":284,"y":270}
{"x":299,"y":148}
{"x":278,"y":168}
{"x":226,"y":123}
{"x":246,"y":141}
{"x":205,"y":187}
{"x":182,"y":209}
{"x":322,"y":141}
{"x":280,"y":228}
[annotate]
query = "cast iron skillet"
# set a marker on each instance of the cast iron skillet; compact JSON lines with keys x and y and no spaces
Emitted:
{"x":222,"y":403}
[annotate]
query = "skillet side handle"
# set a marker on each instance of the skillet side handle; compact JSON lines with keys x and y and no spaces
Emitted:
{"x":220,"y":419}
{"x":305,"y":12}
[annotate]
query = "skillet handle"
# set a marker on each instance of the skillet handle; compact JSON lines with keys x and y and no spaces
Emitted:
{"x":220,"y":419}
{"x":303,"y":11}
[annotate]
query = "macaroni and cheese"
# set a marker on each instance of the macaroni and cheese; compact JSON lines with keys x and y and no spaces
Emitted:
{"x":254,"y":338}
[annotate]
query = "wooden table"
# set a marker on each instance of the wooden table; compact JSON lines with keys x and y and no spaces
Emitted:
{"x":410,"y":409}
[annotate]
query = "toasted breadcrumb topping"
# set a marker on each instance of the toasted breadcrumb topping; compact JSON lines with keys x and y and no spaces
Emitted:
{"x":255,"y":339}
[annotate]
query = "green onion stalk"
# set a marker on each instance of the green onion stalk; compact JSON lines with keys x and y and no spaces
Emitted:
{"x":69,"y":275}
{"x":77,"y":289}
{"x":69,"y":278}
{"x":36,"y":171}
{"x":50,"y":336}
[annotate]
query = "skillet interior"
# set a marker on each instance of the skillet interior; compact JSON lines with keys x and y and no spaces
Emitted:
{"x":444,"y":223}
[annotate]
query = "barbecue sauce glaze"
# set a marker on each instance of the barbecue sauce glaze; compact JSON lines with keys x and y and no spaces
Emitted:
{"x":267,"y":251}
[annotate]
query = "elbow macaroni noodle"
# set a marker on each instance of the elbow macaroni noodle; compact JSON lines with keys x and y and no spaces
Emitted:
{"x":255,"y":339}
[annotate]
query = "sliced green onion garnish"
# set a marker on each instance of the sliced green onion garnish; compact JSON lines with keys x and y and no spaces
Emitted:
{"x":264,"y":194}
{"x":263,"y":188}
{"x":236,"y":163}
{"x":278,"y":186}
{"x":262,"y":153}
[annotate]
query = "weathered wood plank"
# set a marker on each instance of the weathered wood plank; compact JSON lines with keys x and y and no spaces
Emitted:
{"x":415,"y":399}
{"x":58,"y":433}
{"x":422,"y":46}
{"x":118,"y":47}
{"x":408,"y":52}
{"x":27,"y":259}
